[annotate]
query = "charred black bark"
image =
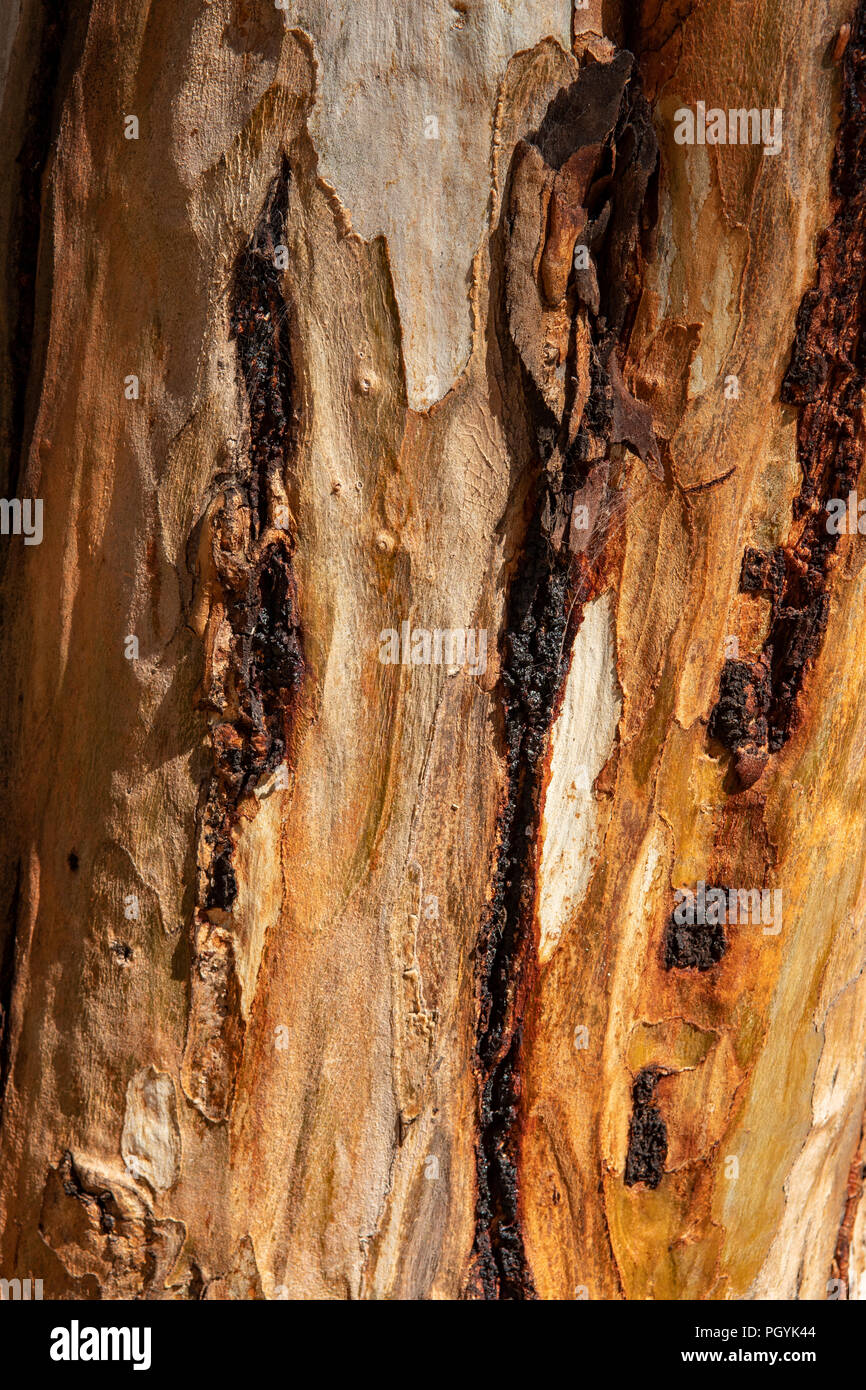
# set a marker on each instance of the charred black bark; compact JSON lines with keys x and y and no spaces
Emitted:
{"x":257,"y":666}
{"x":261,"y":328}
{"x":647,"y":1133}
{"x":253,"y":554}
{"x":557,"y":574}
{"x":739,"y":719}
{"x":535,"y":668}
{"x":757,"y":709}
{"x":694,"y":945}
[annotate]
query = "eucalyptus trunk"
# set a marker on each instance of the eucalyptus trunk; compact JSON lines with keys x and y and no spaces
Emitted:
{"x":434,"y":859}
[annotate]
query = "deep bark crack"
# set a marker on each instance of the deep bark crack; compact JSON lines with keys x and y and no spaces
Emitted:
{"x":647,"y":1133}
{"x":59,"y":39}
{"x":600,"y":168}
{"x":757,"y":709}
{"x":255,"y":661}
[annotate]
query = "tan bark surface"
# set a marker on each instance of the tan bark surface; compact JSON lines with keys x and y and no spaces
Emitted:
{"x":328,"y":978}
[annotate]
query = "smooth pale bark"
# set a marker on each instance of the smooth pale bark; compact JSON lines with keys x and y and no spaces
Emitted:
{"x":274,"y":1091}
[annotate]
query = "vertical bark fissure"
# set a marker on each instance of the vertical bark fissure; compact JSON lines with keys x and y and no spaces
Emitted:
{"x":8,"y":962}
{"x":756,"y":711}
{"x":58,"y":43}
{"x":44,"y":102}
{"x":600,"y":182}
{"x":647,"y":1133}
{"x":255,"y":662}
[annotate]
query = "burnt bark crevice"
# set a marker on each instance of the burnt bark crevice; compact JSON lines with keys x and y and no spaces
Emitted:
{"x":757,"y":709}
{"x":694,"y":945}
{"x":256,"y":665}
{"x":647,"y":1134}
{"x":600,"y":129}
{"x":254,"y":545}
{"x":253,"y":555}
{"x":259,"y":320}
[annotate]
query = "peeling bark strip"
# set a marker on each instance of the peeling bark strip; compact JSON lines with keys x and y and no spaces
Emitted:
{"x":591,"y":162}
{"x":104,"y":1231}
{"x":839,"y":1269}
{"x":647,"y":1133}
{"x":757,"y":707}
{"x":254,"y":658}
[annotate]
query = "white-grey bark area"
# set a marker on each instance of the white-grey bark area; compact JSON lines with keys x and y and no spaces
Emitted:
{"x":387,"y":665}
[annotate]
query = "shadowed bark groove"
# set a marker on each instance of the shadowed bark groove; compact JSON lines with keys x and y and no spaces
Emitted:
{"x":757,"y":707}
{"x":255,"y":662}
{"x":28,"y":226}
{"x":597,"y":146}
{"x":647,"y":1134}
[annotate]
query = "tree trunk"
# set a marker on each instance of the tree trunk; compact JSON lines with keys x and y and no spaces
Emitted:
{"x":435,"y":596}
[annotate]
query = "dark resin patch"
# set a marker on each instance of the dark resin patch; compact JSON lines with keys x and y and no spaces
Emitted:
{"x":553,"y":580}
{"x":693,"y":946}
{"x":763,"y":571}
{"x":824,"y":382}
{"x":222,"y":883}
{"x":647,"y":1133}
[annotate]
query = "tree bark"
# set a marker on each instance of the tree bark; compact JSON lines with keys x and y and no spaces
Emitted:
{"x":435,"y":589}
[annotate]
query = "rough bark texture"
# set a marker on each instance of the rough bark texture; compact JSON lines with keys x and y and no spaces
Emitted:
{"x":324,"y":976}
